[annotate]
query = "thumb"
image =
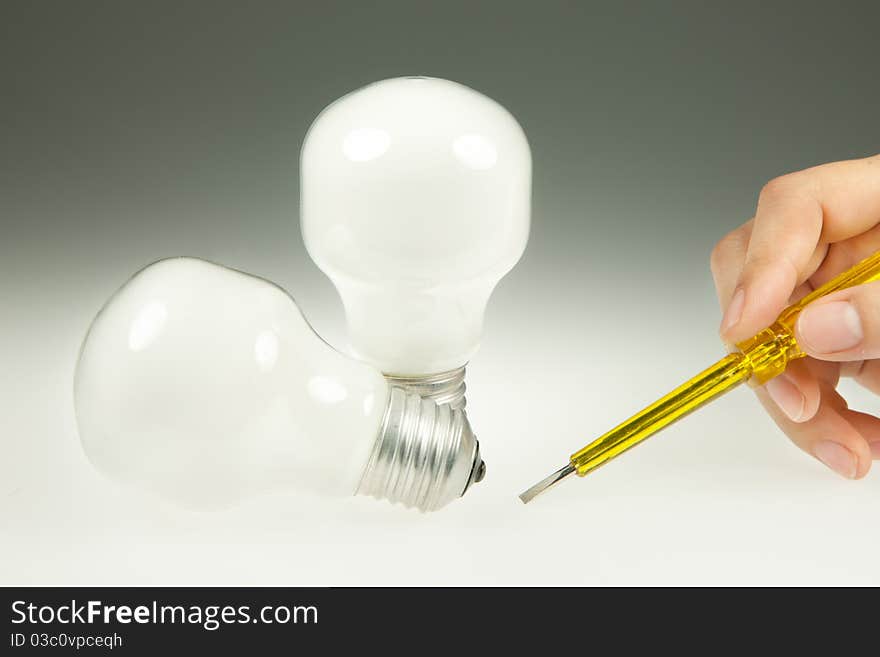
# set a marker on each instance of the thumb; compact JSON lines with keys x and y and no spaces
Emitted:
{"x":842,"y":326}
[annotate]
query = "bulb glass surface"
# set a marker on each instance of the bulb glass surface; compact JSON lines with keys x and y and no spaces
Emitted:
{"x":206,"y":384}
{"x":415,"y":202}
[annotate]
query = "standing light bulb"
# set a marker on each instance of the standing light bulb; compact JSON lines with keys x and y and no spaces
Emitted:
{"x":415,"y":202}
{"x":206,"y":384}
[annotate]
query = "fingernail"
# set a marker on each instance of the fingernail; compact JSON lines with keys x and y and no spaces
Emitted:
{"x":787,"y":397}
{"x":875,"y":450}
{"x":734,"y":310}
{"x":827,"y":328}
{"x":837,"y":457}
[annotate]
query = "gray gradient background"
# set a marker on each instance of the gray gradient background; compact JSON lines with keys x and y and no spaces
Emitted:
{"x":134,"y":131}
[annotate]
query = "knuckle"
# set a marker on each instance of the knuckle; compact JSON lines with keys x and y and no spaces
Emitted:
{"x":777,"y":187}
{"x":798,"y":187}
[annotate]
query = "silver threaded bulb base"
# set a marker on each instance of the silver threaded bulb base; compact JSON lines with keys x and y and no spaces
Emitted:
{"x":425,"y":455}
{"x":443,"y":387}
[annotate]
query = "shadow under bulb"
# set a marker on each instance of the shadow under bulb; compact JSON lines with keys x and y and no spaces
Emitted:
{"x":205,"y":385}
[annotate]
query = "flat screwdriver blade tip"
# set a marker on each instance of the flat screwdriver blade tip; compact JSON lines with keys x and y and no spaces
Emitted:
{"x":544,"y":484}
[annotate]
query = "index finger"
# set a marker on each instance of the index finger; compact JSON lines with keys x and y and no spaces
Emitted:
{"x":799,"y":214}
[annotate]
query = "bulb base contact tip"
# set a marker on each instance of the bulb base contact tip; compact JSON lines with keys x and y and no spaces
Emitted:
{"x":425,"y":454}
{"x":442,"y":387}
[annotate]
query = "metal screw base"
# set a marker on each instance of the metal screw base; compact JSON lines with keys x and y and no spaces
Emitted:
{"x":425,"y":455}
{"x":443,"y":387}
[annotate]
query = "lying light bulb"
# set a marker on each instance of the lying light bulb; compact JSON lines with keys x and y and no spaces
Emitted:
{"x":206,"y":384}
{"x":415,"y":202}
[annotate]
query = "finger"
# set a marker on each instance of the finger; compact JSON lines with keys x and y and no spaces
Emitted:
{"x":797,"y":214}
{"x":865,"y":372}
{"x":828,"y":436}
{"x":842,"y":326}
{"x":849,"y":192}
{"x":824,"y":371}
{"x":869,"y":427}
{"x":843,"y":255}
{"x":796,"y":392}
{"x":727,"y":260}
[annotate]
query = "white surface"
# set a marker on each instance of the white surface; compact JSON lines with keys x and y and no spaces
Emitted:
{"x":206,"y":385}
{"x":415,"y":202}
{"x":721,"y":498}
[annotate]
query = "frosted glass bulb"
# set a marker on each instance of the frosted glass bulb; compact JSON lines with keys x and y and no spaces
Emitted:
{"x":206,"y":384}
{"x":415,"y":198}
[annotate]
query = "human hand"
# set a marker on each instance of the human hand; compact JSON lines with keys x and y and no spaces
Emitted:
{"x":810,"y":226}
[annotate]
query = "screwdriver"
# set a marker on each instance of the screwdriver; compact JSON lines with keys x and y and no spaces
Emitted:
{"x":756,"y":360}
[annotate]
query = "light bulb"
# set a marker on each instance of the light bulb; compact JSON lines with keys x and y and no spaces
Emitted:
{"x":415,"y":201}
{"x":206,"y":384}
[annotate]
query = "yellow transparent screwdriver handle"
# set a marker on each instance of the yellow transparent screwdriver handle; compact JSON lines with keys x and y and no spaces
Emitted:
{"x":756,"y":360}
